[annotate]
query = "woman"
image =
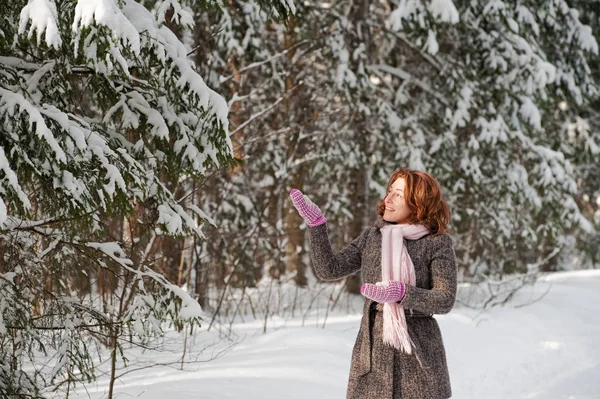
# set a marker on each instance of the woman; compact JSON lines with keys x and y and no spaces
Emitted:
{"x":408,"y":268}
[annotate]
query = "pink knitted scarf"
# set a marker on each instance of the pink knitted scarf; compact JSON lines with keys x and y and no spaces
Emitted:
{"x":396,"y":265}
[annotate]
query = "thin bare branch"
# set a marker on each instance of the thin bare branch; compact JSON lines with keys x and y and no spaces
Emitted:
{"x":266,"y":110}
{"x":260,"y":63}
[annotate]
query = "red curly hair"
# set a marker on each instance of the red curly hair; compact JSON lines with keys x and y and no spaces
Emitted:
{"x":424,"y":198}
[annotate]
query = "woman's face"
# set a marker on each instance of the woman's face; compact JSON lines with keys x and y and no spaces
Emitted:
{"x":396,"y":209}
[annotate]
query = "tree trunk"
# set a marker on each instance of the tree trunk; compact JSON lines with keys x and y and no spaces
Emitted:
{"x":274,"y":264}
{"x":356,"y":225}
{"x":294,"y":247}
{"x":359,"y":200}
{"x":113,"y":362}
{"x":297,"y":149}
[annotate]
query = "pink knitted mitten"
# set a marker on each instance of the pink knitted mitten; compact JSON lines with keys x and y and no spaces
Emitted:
{"x":393,"y":292}
{"x":310,"y":212}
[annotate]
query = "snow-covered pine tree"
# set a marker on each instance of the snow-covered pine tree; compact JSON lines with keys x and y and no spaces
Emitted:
{"x":454,"y":98}
{"x":468,"y":91}
{"x":580,"y":123}
{"x":478,"y":104}
{"x":287,"y":112}
{"x":262,"y":66}
{"x":102,"y":116}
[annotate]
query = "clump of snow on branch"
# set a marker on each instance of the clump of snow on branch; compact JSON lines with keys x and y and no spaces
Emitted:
{"x":42,"y":17}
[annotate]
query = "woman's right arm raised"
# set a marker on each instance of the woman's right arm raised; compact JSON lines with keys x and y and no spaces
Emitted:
{"x":327,"y":266}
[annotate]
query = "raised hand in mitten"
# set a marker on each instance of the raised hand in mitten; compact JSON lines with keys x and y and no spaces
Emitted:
{"x":310,"y":212}
{"x":392,"y":292}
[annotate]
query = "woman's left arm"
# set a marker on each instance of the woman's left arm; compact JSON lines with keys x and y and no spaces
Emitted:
{"x":440,"y":298}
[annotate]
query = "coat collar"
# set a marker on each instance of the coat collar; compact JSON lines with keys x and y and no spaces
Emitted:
{"x":379,"y":223}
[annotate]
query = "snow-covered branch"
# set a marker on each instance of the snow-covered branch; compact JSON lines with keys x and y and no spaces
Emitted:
{"x":405,"y":76}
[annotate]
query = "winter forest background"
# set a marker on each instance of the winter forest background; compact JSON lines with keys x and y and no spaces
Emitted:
{"x":147,"y":149}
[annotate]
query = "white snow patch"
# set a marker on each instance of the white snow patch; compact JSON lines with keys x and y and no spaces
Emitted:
{"x":444,"y":11}
{"x":190,"y":307}
{"x":586,"y":39}
{"x":431,"y":45}
{"x":107,"y":13}
{"x":3,"y":212}
{"x":42,"y":16}
{"x":548,"y":349}
{"x":530,"y":113}
{"x":14,"y":103}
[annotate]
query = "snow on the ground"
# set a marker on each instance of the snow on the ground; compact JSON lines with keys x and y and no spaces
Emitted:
{"x":549,"y":349}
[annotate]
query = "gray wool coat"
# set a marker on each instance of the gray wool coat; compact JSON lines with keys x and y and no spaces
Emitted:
{"x":379,"y":371}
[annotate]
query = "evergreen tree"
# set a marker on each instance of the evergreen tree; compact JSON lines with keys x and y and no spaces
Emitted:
{"x":581,"y":125}
{"x":470,"y":92}
{"x":102,"y":115}
{"x":503,"y":70}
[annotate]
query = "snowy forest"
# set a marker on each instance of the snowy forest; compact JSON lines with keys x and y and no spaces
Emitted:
{"x":148,"y":148}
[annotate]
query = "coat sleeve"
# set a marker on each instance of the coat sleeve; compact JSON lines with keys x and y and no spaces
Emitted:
{"x":330,"y":267}
{"x":440,"y":298}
